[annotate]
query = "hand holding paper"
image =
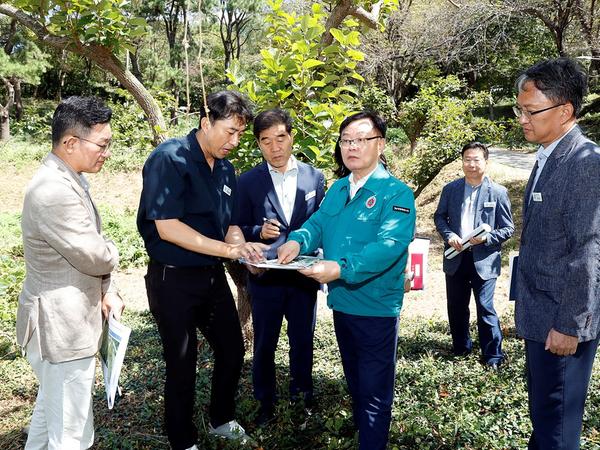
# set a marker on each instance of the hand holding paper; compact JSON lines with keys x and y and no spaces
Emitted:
{"x":480,"y":232}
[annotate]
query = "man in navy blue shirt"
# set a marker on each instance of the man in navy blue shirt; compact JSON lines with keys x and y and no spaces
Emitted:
{"x":185,"y":218}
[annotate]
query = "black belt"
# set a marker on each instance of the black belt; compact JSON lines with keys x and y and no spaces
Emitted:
{"x":169,"y":266}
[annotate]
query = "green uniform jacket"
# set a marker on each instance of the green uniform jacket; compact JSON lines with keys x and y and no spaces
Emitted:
{"x":369,"y":238}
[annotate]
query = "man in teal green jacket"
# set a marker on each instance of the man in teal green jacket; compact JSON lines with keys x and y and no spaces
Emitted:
{"x":364,"y":226}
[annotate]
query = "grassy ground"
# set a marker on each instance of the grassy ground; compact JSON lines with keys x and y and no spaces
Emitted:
{"x":441,"y":402}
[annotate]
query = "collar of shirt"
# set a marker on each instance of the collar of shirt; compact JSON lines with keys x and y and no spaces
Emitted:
{"x":355,"y":186}
{"x":292,"y":165}
{"x":197,"y":153}
{"x":79,"y":177}
{"x":544,"y":153}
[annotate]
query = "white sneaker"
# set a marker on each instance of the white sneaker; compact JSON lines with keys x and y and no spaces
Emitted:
{"x":193,"y":447}
{"x":230,"y":430}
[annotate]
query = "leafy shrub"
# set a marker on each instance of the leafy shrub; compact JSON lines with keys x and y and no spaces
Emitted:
{"x":591,"y":125}
{"x":313,"y":83}
{"x":12,"y":274}
{"x":36,"y":122}
{"x":376,"y":99}
{"x":440,"y":119}
{"x":512,"y":135}
{"x":487,"y":131}
{"x":396,"y":137}
{"x":122,"y":229}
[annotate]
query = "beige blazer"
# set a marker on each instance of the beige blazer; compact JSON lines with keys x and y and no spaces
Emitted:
{"x":68,"y":265}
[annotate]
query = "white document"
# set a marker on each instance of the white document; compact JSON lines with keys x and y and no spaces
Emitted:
{"x":300,"y":262}
{"x":115,"y":337}
{"x":481,"y":231}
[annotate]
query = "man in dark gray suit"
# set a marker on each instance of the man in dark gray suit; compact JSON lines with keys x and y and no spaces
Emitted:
{"x":464,"y":205}
{"x":558,"y":279}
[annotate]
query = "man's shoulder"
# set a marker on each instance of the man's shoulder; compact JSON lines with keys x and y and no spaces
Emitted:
{"x":176,"y":149}
{"x":49,"y":175}
{"x":497,"y":186}
{"x":454,"y":184}
{"x":250,"y":174}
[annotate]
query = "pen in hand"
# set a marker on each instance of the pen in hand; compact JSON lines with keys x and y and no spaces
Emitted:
{"x":270,"y":228}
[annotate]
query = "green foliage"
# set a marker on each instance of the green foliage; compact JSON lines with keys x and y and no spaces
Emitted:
{"x":314,"y":84}
{"x":376,"y":99}
{"x":27,"y":62}
{"x":396,"y":138}
{"x":122,"y":229}
{"x":104,"y":22}
{"x":440,"y":401}
{"x":440,"y":118}
{"x":591,"y":124}
{"x":20,"y":152}
{"x":12,"y":273}
{"x":36,"y":122}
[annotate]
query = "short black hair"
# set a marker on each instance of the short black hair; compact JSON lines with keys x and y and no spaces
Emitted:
{"x":562,"y":80}
{"x":78,"y":115}
{"x":271,"y":117}
{"x":476,"y":146}
{"x":224,"y":104}
{"x":379,"y":124}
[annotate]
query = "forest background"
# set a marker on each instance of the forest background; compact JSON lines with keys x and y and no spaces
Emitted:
{"x":441,"y":72}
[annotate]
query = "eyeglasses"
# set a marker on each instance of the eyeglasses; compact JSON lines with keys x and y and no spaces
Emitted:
{"x":360,"y":142}
{"x":104,"y":147}
{"x":522,"y":112}
{"x":474,"y":160}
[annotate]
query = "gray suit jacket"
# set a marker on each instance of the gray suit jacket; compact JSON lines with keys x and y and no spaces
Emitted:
{"x":492,"y":207}
{"x":68,"y":265}
{"x":558,"y":277}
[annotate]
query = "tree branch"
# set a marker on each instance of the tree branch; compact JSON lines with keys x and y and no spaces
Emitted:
{"x":346,"y":8}
{"x":104,"y":58}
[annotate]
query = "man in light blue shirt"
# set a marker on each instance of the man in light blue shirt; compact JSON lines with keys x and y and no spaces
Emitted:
{"x":465,"y":204}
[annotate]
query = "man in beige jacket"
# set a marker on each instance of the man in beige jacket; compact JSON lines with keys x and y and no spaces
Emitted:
{"x":68,"y":286}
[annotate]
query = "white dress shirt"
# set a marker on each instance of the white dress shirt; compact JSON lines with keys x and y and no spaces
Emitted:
{"x":285,"y":185}
{"x":542,"y":156}
{"x":355,"y":186}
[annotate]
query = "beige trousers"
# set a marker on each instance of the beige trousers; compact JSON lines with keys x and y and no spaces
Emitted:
{"x":62,"y":418}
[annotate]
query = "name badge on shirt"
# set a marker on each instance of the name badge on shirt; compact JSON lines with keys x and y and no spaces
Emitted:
{"x":227,"y":189}
{"x":537,"y":197}
{"x":489,"y":204}
{"x":310,"y":195}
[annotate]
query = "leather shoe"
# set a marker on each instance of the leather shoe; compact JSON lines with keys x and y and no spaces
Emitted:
{"x":265,"y":416}
{"x":494,"y":366}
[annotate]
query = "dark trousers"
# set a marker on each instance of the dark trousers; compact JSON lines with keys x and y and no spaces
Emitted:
{"x":368,"y":350}
{"x":458,"y":294}
{"x":270,"y":304}
{"x":183,"y":300}
{"x":557,"y":387}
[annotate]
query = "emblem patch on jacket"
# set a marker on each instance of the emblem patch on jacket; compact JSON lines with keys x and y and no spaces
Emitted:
{"x":371,"y":202}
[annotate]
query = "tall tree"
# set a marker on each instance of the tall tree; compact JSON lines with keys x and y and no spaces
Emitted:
{"x":24,"y":63}
{"x":556,"y":15}
{"x":588,"y":15}
{"x":99,"y":31}
{"x":173,"y":15}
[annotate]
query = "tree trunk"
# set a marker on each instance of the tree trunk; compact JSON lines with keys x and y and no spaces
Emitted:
{"x":135,"y":65}
{"x":16,"y":82}
{"x":4,"y":124}
{"x":105,"y":59}
{"x":239,"y":276}
{"x":5,"y":110}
